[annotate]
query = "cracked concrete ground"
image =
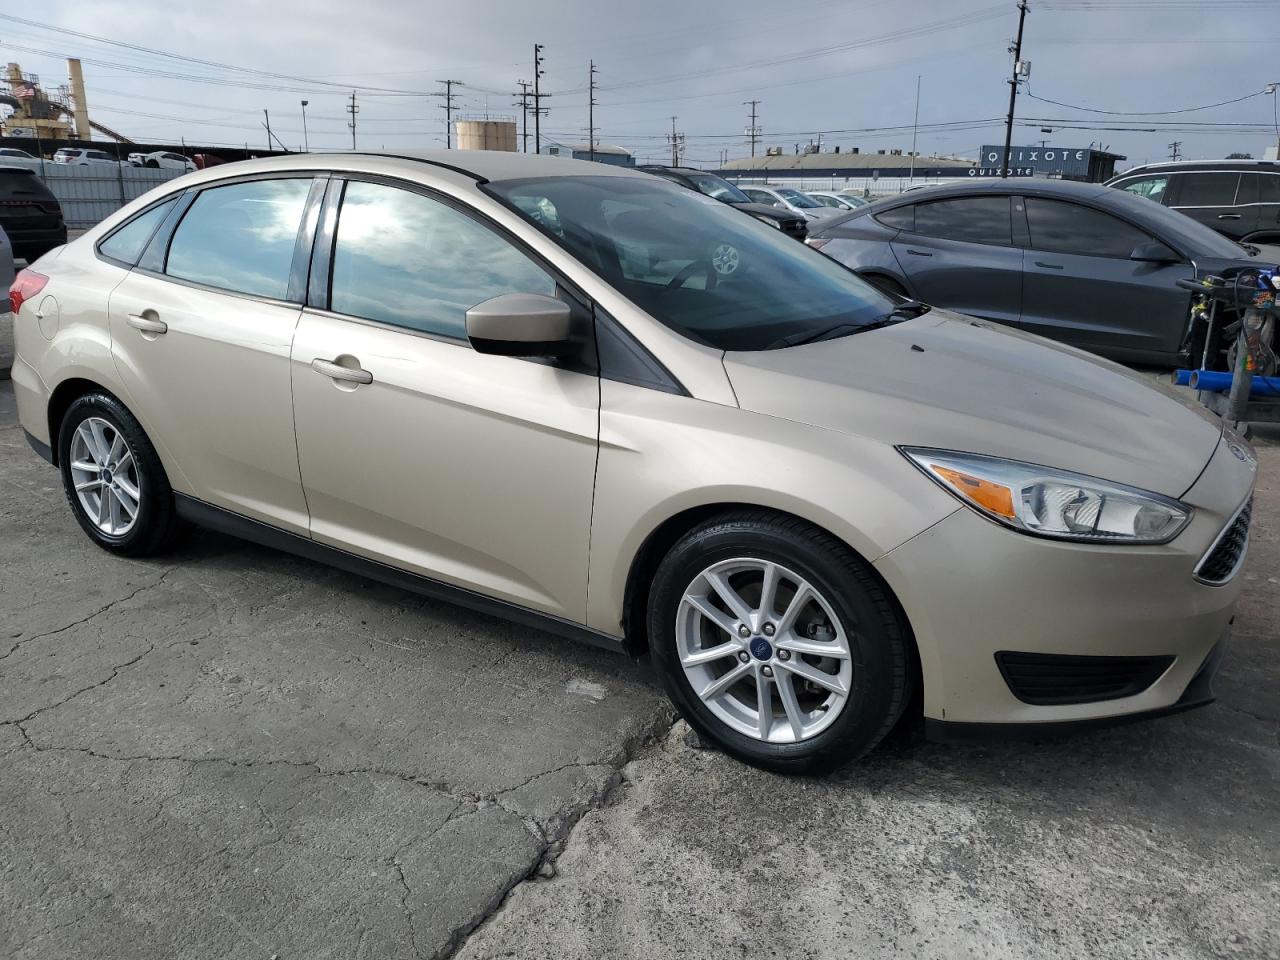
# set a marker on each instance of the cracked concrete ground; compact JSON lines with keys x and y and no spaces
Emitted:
{"x":235,"y":753}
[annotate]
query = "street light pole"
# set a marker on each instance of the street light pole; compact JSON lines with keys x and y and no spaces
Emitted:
{"x":306,"y":146}
{"x":915,"y":127}
{"x":1275,"y":114}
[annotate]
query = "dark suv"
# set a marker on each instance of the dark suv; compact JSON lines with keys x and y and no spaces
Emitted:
{"x":29,"y":213}
{"x":1238,"y":198}
{"x":721,"y":189}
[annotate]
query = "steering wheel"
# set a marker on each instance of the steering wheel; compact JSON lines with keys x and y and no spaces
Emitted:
{"x":689,"y":269}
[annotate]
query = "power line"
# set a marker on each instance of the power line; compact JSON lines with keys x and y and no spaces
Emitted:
{"x":1145,"y":113}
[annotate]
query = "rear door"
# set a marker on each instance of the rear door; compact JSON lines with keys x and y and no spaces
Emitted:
{"x":201,"y":340}
{"x":1080,"y":286}
{"x":1210,"y":197}
{"x":1259,"y":197}
{"x":959,"y":254}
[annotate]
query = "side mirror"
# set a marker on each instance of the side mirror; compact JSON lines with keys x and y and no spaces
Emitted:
{"x":520,"y":325}
{"x":1153,"y":251}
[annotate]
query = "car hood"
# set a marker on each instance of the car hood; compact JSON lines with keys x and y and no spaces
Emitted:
{"x":948,"y":381}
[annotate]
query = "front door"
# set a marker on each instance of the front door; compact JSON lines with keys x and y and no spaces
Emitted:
{"x":473,"y":469}
{"x":203,"y":349}
{"x":1210,"y":197}
{"x":1080,"y":286}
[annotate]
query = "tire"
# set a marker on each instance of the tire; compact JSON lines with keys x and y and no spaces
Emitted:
{"x":853,"y":607}
{"x":99,"y":420}
{"x":886,"y":285}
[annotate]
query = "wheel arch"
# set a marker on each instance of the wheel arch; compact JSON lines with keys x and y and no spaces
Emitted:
{"x":873,"y":274}
{"x":60,"y":400}
{"x":666,"y":534}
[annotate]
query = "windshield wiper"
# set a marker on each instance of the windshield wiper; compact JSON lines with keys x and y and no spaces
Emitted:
{"x":907,"y":310}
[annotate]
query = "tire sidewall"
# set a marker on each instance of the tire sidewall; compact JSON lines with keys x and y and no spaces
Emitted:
{"x":111,"y":410}
{"x":876,"y":645}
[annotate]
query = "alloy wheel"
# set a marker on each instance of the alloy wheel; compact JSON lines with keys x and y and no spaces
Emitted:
{"x":105,"y":476}
{"x":764,"y":650}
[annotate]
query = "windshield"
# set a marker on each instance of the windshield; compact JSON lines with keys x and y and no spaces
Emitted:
{"x":718,"y":188}
{"x":694,"y":264}
{"x":796,"y":198}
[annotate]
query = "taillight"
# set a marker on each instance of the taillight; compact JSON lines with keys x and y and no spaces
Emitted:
{"x":25,"y":286}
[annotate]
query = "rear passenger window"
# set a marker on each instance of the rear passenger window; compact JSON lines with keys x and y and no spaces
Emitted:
{"x":1268,"y":188}
{"x":968,"y":219}
{"x":403,"y":258}
{"x":1208,"y":189}
{"x":128,"y":242}
{"x":899,"y":218}
{"x":241,"y":237}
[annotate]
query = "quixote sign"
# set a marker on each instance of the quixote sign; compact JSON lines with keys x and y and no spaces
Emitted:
{"x":1064,"y":161}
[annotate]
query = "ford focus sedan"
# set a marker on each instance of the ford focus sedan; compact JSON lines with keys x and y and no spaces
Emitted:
{"x":603,"y":405}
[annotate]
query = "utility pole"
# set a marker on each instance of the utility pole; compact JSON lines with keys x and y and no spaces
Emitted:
{"x":591,"y":111}
{"x":1175,"y":150}
{"x":448,"y":111}
{"x":353,"y":110}
{"x":306,"y":144}
{"x":1018,"y":73}
{"x":268,"y":119}
{"x":753,"y":131}
{"x":523,"y":103}
{"x":915,"y":127}
{"x":537,"y":98}
{"x":676,"y":142}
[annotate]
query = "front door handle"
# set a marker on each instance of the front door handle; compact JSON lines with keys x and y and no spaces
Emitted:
{"x":336,"y":371}
{"x":919,"y":253}
{"x":1228,"y":216}
{"x":146,"y":324}
{"x":1049,"y":266}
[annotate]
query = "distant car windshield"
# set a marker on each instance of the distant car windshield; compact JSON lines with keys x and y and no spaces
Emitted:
{"x":694,"y":264}
{"x":719,"y":188}
{"x":797,"y":199}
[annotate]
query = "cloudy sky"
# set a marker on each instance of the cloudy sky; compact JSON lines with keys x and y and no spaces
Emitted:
{"x":844,"y":68}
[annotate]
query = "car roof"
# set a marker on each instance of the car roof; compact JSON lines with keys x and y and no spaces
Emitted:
{"x":1025,"y":186}
{"x":481,"y":165}
{"x":1174,"y":165}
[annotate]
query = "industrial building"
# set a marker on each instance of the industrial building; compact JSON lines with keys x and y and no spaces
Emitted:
{"x":1089,"y":164}
{"x":839,"y":164}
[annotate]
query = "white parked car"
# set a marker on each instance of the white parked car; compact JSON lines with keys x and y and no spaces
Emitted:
{"x":13,"y":157}
{"x":836,"y":201}
{"x":163,"y":159}
{"x":81,"y":157}
{"x":787,"y":198}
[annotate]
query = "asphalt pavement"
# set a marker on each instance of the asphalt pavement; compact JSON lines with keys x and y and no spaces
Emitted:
{"x":230,"y":752}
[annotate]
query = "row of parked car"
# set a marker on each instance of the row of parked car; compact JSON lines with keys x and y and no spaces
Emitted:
{"x":90,"y":157}
{"x":1092,"y":265}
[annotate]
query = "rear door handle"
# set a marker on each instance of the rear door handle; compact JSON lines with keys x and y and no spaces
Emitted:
{"x":919,"y":253}
{"x":146,"y":324}
{"x":336,"y":371}
{"x":1049,"y":266}
{"x":1228,"y":216}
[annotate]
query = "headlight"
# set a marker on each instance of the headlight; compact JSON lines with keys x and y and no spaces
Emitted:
{"x":769,"y":220}
{"x":1053,"y":503}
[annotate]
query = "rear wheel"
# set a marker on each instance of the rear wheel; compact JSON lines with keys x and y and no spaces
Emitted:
{"x":113,"y":479}
{"x":777,"y":643}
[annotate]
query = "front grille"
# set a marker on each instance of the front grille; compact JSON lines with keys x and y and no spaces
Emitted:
{"x":1055,"y":678}
{"x":1225,"y":556}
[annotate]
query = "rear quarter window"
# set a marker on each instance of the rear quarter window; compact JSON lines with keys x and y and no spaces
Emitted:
{"x":899,"y":218}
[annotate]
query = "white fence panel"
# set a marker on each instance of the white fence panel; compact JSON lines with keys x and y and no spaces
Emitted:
{"x":867,"y":186}
{"x":91,"y":194}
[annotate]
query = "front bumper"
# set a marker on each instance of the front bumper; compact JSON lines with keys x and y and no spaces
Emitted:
{"x":971,"y":589}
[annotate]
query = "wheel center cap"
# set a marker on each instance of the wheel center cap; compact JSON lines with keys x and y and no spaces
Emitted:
{"x":106,"y":476}
{"x":761,"y":648}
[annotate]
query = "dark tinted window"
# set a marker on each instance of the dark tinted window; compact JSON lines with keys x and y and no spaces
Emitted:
{"x":241,"y":237}
{"x":1062,"y":227}
{"x":129,"y":241}
{"x":1208,"y":189}
{"x":1268,"y":187}
{"x":899,"y":218}
{"x":696,"y":265}
{"x":971,"y":219}
{"x":406,"y":259}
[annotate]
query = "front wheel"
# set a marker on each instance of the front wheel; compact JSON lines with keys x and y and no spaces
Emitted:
{"x":113,"y":479}
{"x":778,"y":643}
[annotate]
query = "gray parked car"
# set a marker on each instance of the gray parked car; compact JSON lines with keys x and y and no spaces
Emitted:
{"x":6,"y":266}
{"x":1076,"y":262}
